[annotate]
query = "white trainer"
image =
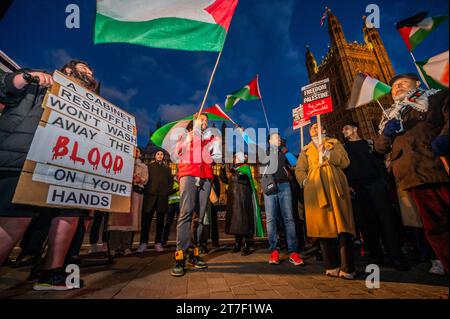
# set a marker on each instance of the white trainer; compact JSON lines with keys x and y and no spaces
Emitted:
{"x":142,"y":247}
{"x":437,"y":268}
{"x":93,"y":249}
{"x":159,"y":248}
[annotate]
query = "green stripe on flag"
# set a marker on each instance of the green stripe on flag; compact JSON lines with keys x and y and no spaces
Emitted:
{"x":165,"y":33}
{"x":259,"y":230}
{"x":422,"y":33}
{"x":381,"y":89}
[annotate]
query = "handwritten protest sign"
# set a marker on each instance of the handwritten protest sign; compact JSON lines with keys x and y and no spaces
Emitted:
{"x":317,"y":98}
{"x":82,"y":154}
{"x":298,"y":118}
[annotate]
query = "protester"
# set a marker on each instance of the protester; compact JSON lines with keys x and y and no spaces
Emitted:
{"x":196,"y":150}
{"x":23,"y":92}
{"x":279,"y":204}
{"x":372,"y":209}
{"x":239,"y":220}
{"x":156,"y":198}
{"x":328,"y":209}
{"x":123,"y":226}
{"x":416,"y":136}
{"x":99,"y":223}
{"x":174,"y":210}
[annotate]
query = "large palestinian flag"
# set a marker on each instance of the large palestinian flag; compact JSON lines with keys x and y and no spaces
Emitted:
{"x":167,"y":135}
{"x":193,"y":25}
{"x":247,"y":93}
{"x":259,"y":229}
{"x":415,"y":29}
{"x":365,"y":90}
{"x":435,"y":70}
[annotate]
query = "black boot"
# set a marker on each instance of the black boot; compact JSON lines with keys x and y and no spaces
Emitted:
{"x":237,"y":247}
{"x":247,"y":249}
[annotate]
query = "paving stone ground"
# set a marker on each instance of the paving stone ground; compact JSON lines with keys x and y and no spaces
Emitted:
{"x":229,"y":276}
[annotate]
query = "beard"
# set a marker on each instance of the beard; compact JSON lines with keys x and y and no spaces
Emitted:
{"x":85,"y":80}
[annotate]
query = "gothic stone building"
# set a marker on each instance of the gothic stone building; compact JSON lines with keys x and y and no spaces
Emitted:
{"x":341,"y":63}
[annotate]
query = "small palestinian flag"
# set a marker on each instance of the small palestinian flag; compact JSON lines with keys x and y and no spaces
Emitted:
{"x":249,"y":92}
{"x":365,"y":90}
{"x":435,"y":70}
{"x":167,"y":135}
{"x":415,"y":29}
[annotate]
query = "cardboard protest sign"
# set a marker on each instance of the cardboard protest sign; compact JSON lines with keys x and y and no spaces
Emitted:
{"x":82,"y":154}
{"x":317,"y":98}
{"x":298,"y":118}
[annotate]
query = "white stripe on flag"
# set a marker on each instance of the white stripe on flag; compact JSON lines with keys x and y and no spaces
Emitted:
{"x":146,"y":10}
{"x":367,"y":89}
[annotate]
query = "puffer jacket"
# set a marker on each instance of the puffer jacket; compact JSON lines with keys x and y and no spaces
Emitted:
{"x":18,"y":121}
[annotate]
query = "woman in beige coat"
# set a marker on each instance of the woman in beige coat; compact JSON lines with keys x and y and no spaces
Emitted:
{"x":328,"y":210}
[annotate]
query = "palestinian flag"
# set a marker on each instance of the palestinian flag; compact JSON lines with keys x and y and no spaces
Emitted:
{"x":415,"y":29}
{"x":193,"y":25}
{"x":365,"y":90}
{"x":249,"y":92}
{"x":435,"y":70}
{"x":259,"y":230}
{"x":167,"y":135}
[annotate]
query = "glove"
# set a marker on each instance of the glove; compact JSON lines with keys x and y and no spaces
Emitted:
{"x":391,"y":128}
{"x":440,"y":145}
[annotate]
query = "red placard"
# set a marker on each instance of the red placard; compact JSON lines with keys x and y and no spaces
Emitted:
{"x":317,"y":107}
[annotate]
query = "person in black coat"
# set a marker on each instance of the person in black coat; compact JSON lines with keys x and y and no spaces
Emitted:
{"x":156,"y":198}
{"x":239,"y":220}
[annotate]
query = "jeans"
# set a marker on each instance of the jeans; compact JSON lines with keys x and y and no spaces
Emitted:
{"x":276,"y":204}
{"x":173,"y":212}
{"x":191,"y":198}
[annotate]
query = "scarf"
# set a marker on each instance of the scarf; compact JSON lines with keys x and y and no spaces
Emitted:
{"x":417,"y":99}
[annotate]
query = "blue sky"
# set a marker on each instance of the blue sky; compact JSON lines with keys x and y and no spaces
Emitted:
{"x":267,"y":37}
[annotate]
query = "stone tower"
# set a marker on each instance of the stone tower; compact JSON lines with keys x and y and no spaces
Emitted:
{"x":341,"y":63}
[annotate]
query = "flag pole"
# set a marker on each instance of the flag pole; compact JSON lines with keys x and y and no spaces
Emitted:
{"x":265,"y":114}
{"x":209,"y":83}
{"x":419,"y":70}
{"x":384,"y":111}
{"x":319,"y":127}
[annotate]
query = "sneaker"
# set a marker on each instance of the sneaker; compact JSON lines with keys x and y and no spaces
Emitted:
{"x":332,"y":272}
{"x":296,"y":260}
{"x":274,"y":258}
{"x":437,"y":268}
{"x":195,"y":260}
{"x":346,"y":275}
{"x":127,"y":252}
{"x":93,"y":249}
{"x":142,"y":247}
{"x":104,"y":248}
{"x":159,"y":248}
{"x":54,"y":279}
{"x":178,"y":270}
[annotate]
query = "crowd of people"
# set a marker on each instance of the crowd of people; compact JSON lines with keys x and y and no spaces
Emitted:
{"x":336,"y":194}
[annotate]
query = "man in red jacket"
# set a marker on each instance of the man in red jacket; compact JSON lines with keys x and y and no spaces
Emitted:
{"x":196,"y":150}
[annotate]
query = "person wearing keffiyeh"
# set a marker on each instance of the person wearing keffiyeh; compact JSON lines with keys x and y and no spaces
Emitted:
{"x":416,"y":138}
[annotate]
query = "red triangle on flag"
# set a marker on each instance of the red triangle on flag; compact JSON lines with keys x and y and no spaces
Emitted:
{"x":254,"y":87}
